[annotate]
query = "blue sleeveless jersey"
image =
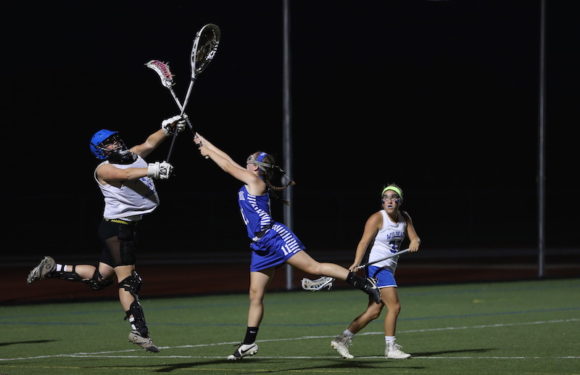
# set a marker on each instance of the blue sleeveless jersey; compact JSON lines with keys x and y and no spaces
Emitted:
{"x":273,"y":243}
{"x":255,"y":211}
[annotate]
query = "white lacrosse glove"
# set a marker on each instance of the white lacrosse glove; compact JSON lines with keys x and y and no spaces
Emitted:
{"x":173,"y":124}
{"x":159,"y":170}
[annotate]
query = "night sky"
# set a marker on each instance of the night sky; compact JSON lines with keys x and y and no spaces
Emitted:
{"x":440,"y":97}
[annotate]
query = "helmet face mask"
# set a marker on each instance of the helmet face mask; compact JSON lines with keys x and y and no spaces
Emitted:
{"x":106,"y":144}
{"x":112,"y":144}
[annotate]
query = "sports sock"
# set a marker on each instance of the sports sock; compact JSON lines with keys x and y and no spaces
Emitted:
{"x":347,"y":333}
{"x":251,"y":333}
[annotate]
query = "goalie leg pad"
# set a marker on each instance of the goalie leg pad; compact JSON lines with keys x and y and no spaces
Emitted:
{"x":97,"y":282}
{"x":136,"y":318}
{"x":63,"y":275}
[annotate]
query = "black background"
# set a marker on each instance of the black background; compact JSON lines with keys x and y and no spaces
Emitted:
{"x":440,"y":97}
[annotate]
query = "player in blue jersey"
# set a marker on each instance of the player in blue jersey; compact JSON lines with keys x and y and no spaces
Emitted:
{"x":273,"y":244}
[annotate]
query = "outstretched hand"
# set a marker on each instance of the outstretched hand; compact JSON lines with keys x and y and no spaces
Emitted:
{"x":201,"y":144}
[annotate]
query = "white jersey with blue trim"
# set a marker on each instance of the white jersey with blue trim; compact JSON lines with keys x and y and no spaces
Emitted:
{"x":388,"y":241}
{"x":255,"y":211}
{"x":133,"y":199}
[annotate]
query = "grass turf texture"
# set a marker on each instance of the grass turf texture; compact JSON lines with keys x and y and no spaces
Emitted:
{"x":521,"y":328}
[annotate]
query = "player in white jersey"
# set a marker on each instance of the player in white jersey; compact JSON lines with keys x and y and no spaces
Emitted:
{"x":126,"y":181}
{"x":273,"y":244}
{"x":385,"y":231}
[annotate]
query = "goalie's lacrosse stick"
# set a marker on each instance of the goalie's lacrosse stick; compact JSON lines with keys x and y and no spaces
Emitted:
{"x":204,"y":48}
{"x":326,"y":281}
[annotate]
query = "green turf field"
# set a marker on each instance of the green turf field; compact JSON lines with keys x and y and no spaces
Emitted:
{"x":518,"y":328}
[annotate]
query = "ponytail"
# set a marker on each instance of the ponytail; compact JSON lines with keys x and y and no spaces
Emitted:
{"x":267,"y":168}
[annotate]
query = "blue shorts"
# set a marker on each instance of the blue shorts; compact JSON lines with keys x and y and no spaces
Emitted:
{"x":384,"y":278}
{"x":277,"y":246}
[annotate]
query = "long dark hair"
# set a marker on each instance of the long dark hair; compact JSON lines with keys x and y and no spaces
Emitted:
{"x":267,"y":169}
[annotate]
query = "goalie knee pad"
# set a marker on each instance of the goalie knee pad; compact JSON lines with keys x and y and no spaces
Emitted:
{"x":136,"y":318}
{"x":97,"y":282}
{"x":132,"y":284}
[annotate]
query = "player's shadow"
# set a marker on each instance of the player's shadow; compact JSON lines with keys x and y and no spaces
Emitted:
{"x":25,"y":342}
{"x":355,"y":364}
{"x":339,"y":364}
{"x":429,"y":354}
{"x":179,"y":366}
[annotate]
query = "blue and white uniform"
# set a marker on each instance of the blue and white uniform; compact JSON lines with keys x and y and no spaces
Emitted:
{"x":388,"y":241}
{"x":272,"y":243}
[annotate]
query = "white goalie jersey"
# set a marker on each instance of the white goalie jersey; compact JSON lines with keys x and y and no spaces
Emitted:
{"x":133,"y":199}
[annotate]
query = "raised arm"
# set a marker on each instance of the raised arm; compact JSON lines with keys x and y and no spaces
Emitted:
{"x":168,"y":127}
{"x":227,"y":164}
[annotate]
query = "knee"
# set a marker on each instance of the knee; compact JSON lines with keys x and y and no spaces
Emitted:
{"x":131,"y":284}
{"x":395,"y":308}
{"x":374,"y":311}
{"x":97,"y":281}
{"x":256,"y":295}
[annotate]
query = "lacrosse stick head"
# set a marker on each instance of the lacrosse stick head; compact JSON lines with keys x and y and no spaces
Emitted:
{"x":204,"y":48}
{"x":318,"y":284}
{"x":162,"y":69}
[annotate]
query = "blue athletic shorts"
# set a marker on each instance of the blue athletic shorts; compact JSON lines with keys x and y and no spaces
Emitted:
{"x":277,"y":246}
{"x":384,"y":278}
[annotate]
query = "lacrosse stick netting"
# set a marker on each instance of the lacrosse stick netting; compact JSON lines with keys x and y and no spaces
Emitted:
{"x":163,"y":71}
{"x":205,"y":46}
{"x":318,"y":284}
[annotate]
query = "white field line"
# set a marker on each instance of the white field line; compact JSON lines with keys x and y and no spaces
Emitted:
{"x":117,"y":353}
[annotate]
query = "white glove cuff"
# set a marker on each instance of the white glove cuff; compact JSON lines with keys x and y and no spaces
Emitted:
{"x":153,"y":170}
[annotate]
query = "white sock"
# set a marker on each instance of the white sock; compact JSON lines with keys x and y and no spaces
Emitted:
{"x":390,"y":341}
{"x":347,"y":333}
{"x":59,"y":267}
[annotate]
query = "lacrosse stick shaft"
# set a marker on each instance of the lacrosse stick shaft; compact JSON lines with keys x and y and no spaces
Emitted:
{"x":181,"y":108}
{"x":188,"y":94}
{"x":173,"y":138}
{"x":385,"y":258}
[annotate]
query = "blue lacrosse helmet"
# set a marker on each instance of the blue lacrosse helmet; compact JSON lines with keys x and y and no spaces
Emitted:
{"x":97,"y":141}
